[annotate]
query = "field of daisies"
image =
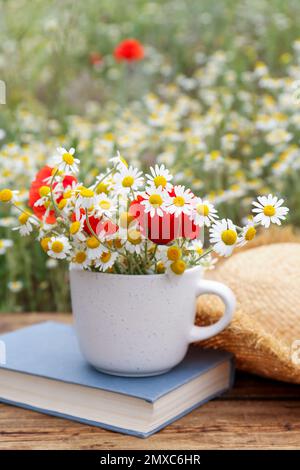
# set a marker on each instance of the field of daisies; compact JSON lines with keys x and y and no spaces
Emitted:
{"x":209,"y":89}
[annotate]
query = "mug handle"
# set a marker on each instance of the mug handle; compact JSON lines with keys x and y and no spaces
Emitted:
{"x":199,"y":333}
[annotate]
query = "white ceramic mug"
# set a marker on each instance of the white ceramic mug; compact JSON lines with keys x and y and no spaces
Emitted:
{"x":141,"y":325}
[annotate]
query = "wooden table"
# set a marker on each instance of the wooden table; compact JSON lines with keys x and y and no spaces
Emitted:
{"x":256,"y":414}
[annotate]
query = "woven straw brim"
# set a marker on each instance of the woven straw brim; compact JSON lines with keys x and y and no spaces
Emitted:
{"x":265,"y":278}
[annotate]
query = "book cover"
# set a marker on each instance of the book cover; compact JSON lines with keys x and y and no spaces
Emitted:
{"x":50,"y":350}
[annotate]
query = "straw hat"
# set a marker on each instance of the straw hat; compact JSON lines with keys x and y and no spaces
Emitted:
{"x":265,"y":332}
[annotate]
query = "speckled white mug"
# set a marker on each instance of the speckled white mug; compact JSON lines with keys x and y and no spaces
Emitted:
{"x":141,"y":325}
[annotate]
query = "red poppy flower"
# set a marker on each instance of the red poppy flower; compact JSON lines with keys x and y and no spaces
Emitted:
{"x":163,"y":230}
{"x":129,"y":50}
{"x":34,"y":192}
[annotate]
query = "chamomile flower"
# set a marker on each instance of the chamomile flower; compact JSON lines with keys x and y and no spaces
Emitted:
{"x":269,"y":210}
{"x":7,"y":195}
{"x":85,"y":199}
{"x":94,"y":248}
{"x":119,"y":162}
{"x":15,"y":286}
{"x":224,"y":237}
{"x":58,"y":247}
{"x":180,"y":202}
{"x":248,"y":233}
{"x":104,"y":205}
{"x":160,"y":177}
{"x":135,"y":241}
{"x":106,"y":260}
{"x":81,"y":258}
{"x":26,"y":224}
{"x":4,"y":244}
{"x":65,"y":160}
{"x":128,"y":179}
{"x":155,"y":200}
{"x":196,"y":246}
{"x":204,"y":213}
{"x":77,"y":230}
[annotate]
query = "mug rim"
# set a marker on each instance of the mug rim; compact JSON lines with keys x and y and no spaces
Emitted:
{"x":192,"y":270}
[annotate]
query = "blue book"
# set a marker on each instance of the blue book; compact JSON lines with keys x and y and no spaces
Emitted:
{"x":44,"y":370}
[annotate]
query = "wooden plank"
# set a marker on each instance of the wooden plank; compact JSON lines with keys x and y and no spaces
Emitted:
{"x":218,"y":424}
{"x":256,"y":414}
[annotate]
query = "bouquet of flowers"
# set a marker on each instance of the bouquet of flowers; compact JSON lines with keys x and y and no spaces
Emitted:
{"x":130,"y":223}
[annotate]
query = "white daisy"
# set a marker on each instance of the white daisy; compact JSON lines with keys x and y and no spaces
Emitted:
{"x":160,"y":177}
{"x":45,"y":195}
{"x":94,"y":248}
{"x":65,"y":160}
{"x":106,"y":260}
{"x":248,"y":233}
{"x":81,"y":259}
{"x":155,"y":200}
{"x":223,"y":236}
{"x":119,"y":162}
{"x":77,"y":230}
{"x":4,"y":244}
{"x":105,"y":205}
{"x":135,"y":241}
{"x":180,"y":202}
{"x":196,"y":246}
{"x":26,"y":224}
{"x":204,"y":213}
{"x":268,"y":210}
{"x":85,"y":199}
{"x":59,"y":247}
{"x":128,"y":179}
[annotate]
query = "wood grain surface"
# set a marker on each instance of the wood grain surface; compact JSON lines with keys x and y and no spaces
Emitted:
{"x":256,"y":414}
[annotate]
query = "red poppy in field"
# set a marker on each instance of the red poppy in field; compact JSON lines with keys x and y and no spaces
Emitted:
{"x":39,"y":187}
{"x":163,"y":230}
{"x":129,"y":50}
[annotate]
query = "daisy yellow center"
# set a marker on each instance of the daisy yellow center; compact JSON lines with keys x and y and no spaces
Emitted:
{"x":160,"y":181}
{"x":250,"y":234}
{"x":203,"y":209}
{"x":74,"y":227}
{"x":68,"y":158}
{"x":57,"y":246}
{"x":102,"y":188}
{"x":6,"y":195}
{"x":85,"y":192}
{"x":160,"y":267}
{"x":1,"y":244}
{"x":229,"y":237}
{"x":125,"y":219}
{"x":199,"y":250}
{"x":178,"y":267}
{"x":269,"y":211}
{"x":93,"y":243}
{"x":45,"y":243}
{"x":155,"y":200}
{"x":104,"y":204}
{"x":135,"y":237}
{"x":105,"y":257}
{"x":23,"y":218}
{"x":80,"y":257}
{"x":62,"y":204}
{"x":178,"y":201}
{"x":44,"y":191}
{"x":128,"y":181}
{"x":174,"y":253}
{"x":67,"y":194}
